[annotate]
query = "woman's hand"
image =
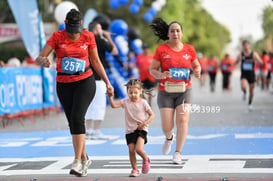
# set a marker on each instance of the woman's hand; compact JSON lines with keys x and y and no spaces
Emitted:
{"x":197,"y":73}
{"x":45,"y":61}
{"x":110,"y":90}
{"x":165,"y":74}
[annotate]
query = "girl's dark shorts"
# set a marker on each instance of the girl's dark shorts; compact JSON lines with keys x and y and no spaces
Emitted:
{"x":172,"y":100}
{"x":132,"y":137}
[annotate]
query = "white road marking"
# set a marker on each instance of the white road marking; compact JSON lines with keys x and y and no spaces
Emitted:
{"x":192,"y":164}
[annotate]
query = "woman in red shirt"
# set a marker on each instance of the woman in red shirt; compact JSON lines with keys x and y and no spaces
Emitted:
{"x":226,"y":68}
{"x":212,"y":70}
{"x":175,"y":59}
{"x":75,"y":81}
{"x":143,"y":62}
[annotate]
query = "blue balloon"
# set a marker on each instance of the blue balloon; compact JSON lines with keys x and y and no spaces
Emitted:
{"x":114,"y":4}
{"x":133,"y":8}
{"x":148,"y":17}
{"x":152,"y":11}
{"x":138,"y":2}
{"x":119,"y":27}
{"x":61,"y":26}
{"x":123,"y":2}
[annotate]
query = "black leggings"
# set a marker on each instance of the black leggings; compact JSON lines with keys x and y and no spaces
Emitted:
{"x":75,"y":98}
{"x":226,"y":76}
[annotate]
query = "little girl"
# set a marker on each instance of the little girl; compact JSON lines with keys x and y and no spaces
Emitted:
{"x":136,"y":120}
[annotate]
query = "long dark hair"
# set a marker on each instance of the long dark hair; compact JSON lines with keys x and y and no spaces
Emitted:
{"x":161,"y":28}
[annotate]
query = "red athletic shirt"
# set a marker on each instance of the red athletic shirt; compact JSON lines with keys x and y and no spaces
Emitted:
{"x":64,"y":47}
{"x":203,"y":64}
{"x":169,"y":58}
{"x":265,"y":59}
{"x":212,"y":65}
{"x":143,"y":63}
{"x":226,"y":65}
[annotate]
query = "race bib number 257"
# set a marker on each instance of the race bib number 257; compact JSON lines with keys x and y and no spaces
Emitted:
{"x":72,"y":65}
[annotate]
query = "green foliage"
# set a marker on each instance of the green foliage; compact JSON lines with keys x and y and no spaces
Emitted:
{"x":268,"y":21}
{"x":7,"y":51}
{"x":199,"y":28}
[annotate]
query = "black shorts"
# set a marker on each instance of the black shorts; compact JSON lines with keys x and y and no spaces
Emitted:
{"x":172,"y":100}
{"x":147,"y":84}
{"x":132,"y":137}
{"x":249,"y":76}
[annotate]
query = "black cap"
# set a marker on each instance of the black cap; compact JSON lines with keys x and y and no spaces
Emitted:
{"x":145,"y":45}
{"x":73,"y":22}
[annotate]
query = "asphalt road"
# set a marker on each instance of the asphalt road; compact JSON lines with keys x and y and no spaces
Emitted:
{"x":232,"y":112}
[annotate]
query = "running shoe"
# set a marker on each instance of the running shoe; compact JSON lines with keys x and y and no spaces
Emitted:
{"x":76,"y":168}
{"x":177,"y":158}
{"x":167,"y":146}
{"x":85,"y":165}
{"x":98,"y":135}
{"x":134,"y":173}
{"x":146,"y":165}
{"x":250,"y":108}
{"x":244,"y":96}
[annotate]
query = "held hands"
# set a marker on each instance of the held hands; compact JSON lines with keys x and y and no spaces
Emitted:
{"x":110,"y":90}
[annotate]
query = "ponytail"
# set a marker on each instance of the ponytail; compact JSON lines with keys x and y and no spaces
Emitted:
{"x":160,"y":28}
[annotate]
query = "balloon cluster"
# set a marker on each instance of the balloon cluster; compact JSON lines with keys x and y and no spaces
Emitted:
{"x":135,"y":6}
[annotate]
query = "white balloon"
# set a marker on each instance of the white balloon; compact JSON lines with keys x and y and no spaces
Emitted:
{"x":62,"y":9}
{"x":156,"y":6}
{"x":161,"y":2}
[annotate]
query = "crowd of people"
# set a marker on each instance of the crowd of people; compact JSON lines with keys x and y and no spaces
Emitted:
{"x":82,"y":89}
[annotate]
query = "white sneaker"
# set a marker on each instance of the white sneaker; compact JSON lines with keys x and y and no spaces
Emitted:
{"x":177,"y":158}
{"x":250,"y":107}
{"x":244,"y":96}
{"x":85,"y":166}
{"x":76,"y":168}
{"x":98,"y":135}
{"x":167,"y":146}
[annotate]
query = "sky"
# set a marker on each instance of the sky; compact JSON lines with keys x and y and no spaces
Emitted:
{"x":241,"y":17}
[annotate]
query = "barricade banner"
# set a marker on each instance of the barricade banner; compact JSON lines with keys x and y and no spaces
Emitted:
{"x":21,"y":88}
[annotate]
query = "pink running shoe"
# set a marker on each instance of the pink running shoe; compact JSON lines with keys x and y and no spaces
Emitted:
{"x":146,"y":165}
{"x":134,"y":173}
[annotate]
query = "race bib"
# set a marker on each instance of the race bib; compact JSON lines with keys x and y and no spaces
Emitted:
{"x":72,"y":65}
{"x":211,"y":68}
{"x":247,"y":66}
{"x":224,"y":67}
{"x":180,"y":73}
{"x":269,"y":66}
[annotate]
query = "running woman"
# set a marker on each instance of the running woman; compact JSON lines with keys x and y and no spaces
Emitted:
{"x":226,"y":68}
{"x":175,"y":59}
{"x":247,"y":58}
{"x":75,"y":81}
{"x":136,"y":121}
{"x":143,"y":62}
{"x":212,"y":70}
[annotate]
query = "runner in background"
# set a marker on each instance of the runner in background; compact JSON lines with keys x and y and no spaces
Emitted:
{"x":136,"y":121}
{"x":226,"y":68}
{"x":96,"y":110}
{"x":143,"y":62}
{"x":212,"y":70}
{"x":247,"y":57}
{"x":270,"y":68}
{"x":264,"y":69}
{"x":204,"y":69}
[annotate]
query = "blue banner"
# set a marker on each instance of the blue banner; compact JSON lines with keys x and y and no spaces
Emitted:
{"x":21,"y":88}
{"x":26,"y":14}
